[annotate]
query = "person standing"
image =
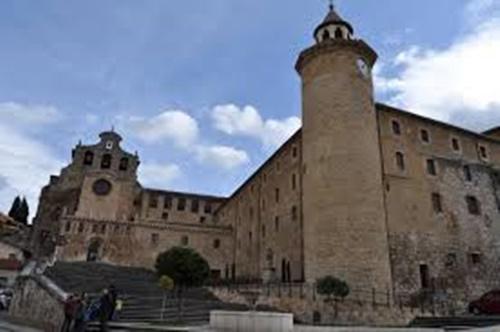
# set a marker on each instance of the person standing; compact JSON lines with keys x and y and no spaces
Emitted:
{"x":69,"y":313}
{"x":105,"y":309}
{"x":81,"y":314}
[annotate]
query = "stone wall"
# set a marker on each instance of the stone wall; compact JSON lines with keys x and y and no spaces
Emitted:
{"x":459,"y":249}
{"x":266,"y":216}
{"x":314,"y":310}
{"x":38,"y":301}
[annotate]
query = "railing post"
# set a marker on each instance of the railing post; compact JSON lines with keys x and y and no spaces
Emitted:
{"x":374,"y":300}
{"x":289,"y":289}
{"x":279,"y":289}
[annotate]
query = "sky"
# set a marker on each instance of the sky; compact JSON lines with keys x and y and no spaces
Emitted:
{"x":205,"y":91}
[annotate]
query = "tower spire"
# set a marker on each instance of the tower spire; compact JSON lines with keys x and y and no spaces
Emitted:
{"x":331,"y":5}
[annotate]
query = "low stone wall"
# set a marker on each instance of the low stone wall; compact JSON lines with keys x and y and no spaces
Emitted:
{"x":38,"y":301}
{"x":346,"y":313}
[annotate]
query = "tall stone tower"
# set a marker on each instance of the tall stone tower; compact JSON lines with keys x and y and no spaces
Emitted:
{"x":345,"y":232}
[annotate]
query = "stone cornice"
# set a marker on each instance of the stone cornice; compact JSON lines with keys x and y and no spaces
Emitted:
{"x":163,"y":225}
{"x":334,"y":45}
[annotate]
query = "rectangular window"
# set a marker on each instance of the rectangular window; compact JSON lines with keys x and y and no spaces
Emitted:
{"x":431,"y":167}
{"x":475,"y":258}
{"x":473,"y":205}
{"x":437,"y":203}
{"x":81,"y":227}
{"x":277,"y":223}
{"x":424,"y":136}
{"x":264,"y":231}
{"x":294,"y":152}
{"x":396,"y":128}
{"x":164,"y":216}
{"x":184,"y":240}
{"x":294,"y":181}
{"x":195,"y":206}
{"x":181,"y":204}
{"x":68,"y":227}
{"x":153,"y":201}
{"x":208,"y":207}
{"x":277,"y":195}
{"x":455,"y":144}
{"x":167,"y":202}
{"x":294,"y":213}
{"x":467,"y":173}
{"x":202,"y":219}
{"x":425,"y":280}
{"x":483,"y":152}
{"x":400,"y":161}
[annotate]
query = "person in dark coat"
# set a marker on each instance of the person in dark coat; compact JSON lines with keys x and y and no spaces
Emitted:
{"x":105,"y":309}
{"x":81,"y":314}
{"x":114,"y":297}
{"x":69,"y":313}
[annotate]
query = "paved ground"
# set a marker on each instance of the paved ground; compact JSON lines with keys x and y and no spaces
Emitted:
{"x":6,"y":326}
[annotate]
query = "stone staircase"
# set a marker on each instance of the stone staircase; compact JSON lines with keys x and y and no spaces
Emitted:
{"x":139,"y":290}
{"x":463,"y":323}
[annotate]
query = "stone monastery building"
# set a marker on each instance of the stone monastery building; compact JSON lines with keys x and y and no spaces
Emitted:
{"x":375,"y":195}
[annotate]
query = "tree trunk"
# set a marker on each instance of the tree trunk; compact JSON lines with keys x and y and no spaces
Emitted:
{"x":163,"y":306}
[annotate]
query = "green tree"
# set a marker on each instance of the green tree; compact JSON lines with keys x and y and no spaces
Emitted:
{"x":14,"y":210}
{"x":167,"y":285}
{"x":24,"y":212}
{"x":333,"y":288}
{"x":184,"y":265}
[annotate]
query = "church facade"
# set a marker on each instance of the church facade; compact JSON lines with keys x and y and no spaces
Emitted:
{"x":375,"y":195}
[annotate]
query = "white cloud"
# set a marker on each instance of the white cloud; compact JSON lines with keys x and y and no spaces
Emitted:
{"x":462,"y":78}
{"x":247,"y":121}
{"x":158,"y":175}
{"x":20,"y":114}
{"x":224,"y":157}
{"x":183,"y":130}
{"x":175,"y":125}
{"x":25,"y":162}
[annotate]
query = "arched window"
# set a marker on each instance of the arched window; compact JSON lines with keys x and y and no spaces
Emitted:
{"x":88,"y":158}
{"x":124,"y":164}
{"x":106,"y":161}
{"x":326,"y":34}
{"x":338,"y":33}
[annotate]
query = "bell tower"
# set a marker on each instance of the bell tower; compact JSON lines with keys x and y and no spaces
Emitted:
{"x":345,"y":232}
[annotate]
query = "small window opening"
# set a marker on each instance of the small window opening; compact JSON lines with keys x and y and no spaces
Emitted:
{"x":106,"y":161}
{"x":473,"y":205}
{"x":88,"y":159}
{"x":424,"y":136}
{"x":437,"y":203}
{"x":400,"y":161}
{"x":431,"y":167}
{"x":396,"y":128}
{"x":195,"y":206}
{"x":424,"y":276}
{"x":326,"y":35}
{"x":181,"y":204}
{"x":467,"y":173}
{"x":124,"y":164}
{"x":338,"y":33}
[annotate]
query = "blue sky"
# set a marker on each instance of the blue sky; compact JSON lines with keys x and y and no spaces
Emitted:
{"x":206,"y":90}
